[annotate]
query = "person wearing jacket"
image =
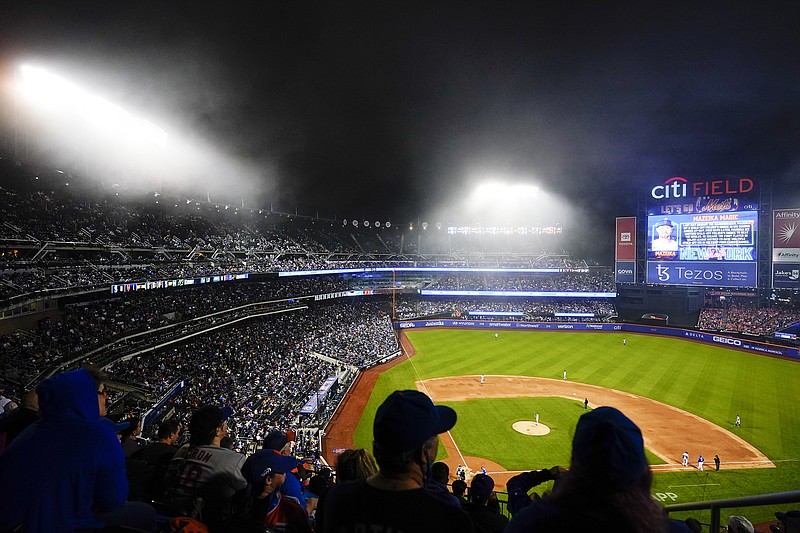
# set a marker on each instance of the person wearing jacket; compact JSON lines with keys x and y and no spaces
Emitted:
{"x":67,"y":468}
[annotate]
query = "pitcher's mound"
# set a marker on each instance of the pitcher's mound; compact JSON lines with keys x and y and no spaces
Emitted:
{"x":530,"y":428}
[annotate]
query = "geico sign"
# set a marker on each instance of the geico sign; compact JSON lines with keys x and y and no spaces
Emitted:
{"x":727,"y":340}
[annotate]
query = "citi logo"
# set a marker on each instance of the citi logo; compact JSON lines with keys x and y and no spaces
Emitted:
{"x":672,"y":188}
{"x":727,"y":340}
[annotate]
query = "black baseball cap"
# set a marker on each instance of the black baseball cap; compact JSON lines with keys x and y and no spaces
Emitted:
{"x":407,"y":418}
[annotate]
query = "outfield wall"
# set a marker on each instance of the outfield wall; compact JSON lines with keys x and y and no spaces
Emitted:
{"x":699,"y":336}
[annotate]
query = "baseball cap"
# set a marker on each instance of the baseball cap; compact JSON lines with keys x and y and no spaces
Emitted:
{"x":204,"y":421}
{"x":665,"y":222}
{"x":265,"y":462}
{"x":407,"y":418}
{"x":481,"y":488}
{"x":276,"y":439}
{"x":610,"y":445}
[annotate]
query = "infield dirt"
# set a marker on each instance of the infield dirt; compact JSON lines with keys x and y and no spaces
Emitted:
{"x":667,"y":430}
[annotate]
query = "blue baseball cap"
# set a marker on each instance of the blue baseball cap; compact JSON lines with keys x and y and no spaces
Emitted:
{"x":408,"y":418}
{"x":264,"y":463}
{"x":608,"y":444}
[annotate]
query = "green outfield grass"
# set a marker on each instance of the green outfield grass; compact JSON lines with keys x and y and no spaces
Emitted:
{"x":712,"y":382}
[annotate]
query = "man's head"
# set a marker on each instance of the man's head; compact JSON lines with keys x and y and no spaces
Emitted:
{"x":100,"y":379}
{"x":608,"y":446}
{"x":480,"y":489}
{"x":459,"y":487}
{"x":281,"y":441}
{"x":265,"y":471}
{"x":406,"y":423}
{"x":168,"y":431}
{"x":440,"y":472}
{"x":207,"y":426}
{"x":664,"y":229}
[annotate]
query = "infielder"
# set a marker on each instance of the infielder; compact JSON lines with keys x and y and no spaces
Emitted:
{"x":700,"y":461}
{"x":565,"y":375}
{"x":685,"y":459}
{"x":483,"y":378}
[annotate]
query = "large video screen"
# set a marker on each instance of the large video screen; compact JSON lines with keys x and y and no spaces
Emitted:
{"x":704,"y":249}
{"x":703,"y":237}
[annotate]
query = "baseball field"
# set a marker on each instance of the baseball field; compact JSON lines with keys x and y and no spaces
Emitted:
{"x":684,"y":395}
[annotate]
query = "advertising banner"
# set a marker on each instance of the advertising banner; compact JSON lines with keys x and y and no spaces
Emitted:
{"x":702,"y":273}
{"x":626,"y":239}
{"x":786,"y":236}
{"x":786,"y":275}
{"x":711,"y":338}
{"x":625,"y":272}
{"x":703,"y":232}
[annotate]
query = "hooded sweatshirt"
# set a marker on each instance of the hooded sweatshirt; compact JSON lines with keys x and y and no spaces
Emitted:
{"x":65,"y":466}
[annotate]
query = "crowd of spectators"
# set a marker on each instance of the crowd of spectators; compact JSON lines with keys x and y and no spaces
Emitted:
{"x":749,"y":319}
{"x":534,"y":309}
{"x":596,"y":280}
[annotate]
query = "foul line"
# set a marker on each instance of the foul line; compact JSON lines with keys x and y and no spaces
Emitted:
{"x":419,"y":378}
{"x":696,"y":485}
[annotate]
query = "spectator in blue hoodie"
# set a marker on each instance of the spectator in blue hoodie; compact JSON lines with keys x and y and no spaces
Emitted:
{"x":67,"y":470}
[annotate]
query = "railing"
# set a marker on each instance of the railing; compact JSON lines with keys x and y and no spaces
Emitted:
{"x":747,"y":501}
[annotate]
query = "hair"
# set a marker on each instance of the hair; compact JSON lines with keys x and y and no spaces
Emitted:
{"x":630,"y":509}
{"x":167,"y":428}
{"x":459,"y":487}
{"x":440,"y":472}
{"x":131,"y":429}
{"x":98,"y":375}
{"x":355,"y":464}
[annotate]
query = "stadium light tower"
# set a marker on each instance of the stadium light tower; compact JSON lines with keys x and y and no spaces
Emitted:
{"x":51,"y":93}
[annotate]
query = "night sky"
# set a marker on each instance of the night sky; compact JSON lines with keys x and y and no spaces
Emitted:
{"x":396,"y":110}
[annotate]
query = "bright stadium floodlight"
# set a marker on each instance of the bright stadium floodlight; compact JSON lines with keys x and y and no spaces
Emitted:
{"x":50,"y":92}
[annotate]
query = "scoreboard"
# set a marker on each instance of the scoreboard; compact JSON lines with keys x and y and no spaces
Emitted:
{"x":703,"y":240}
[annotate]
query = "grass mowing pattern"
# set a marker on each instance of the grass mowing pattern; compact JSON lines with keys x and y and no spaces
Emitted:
{"x":712,"y":382}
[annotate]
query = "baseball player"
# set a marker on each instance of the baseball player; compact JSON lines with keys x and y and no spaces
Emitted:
{"x":483,"y":378}
{"x":624,"y":342}
{"x":700,"y":461}
{"x":738,"y":421}
{"x":685,"y":459}
{"x":496,"y":335}
{"x":537,"y":419}
{"x":565,"y":375}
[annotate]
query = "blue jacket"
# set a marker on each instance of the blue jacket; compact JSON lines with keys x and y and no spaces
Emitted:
{"x":66,"y":465}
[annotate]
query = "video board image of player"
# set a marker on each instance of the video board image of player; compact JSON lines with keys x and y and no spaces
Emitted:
{"x":703,"y":237}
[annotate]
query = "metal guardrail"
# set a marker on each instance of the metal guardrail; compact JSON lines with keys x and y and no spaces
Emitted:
{"x":715,"y":506}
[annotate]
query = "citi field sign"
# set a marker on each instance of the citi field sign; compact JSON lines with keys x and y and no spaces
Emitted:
{"x":678,"y":187}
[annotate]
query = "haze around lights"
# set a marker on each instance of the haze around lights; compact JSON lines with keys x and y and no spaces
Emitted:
{"x":96,"y":137}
